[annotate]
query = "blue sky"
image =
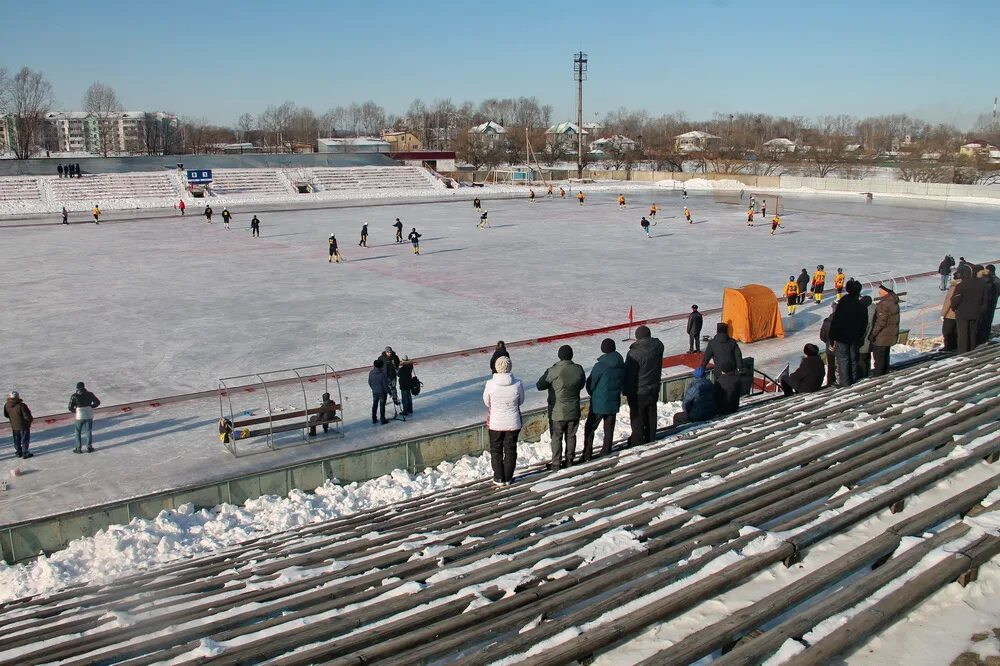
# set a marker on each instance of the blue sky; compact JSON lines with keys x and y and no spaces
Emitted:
{"x":216,"y":60}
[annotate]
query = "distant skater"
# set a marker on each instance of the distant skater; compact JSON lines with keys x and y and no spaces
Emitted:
{"x":484,"y":221}
{"x":562,"y":193}
{"x":255,"y":227}
{"x":644,"y":223}
{"x":65,"y":215}
{"x":182,"y":206}
{"x":399,"y":230}
{"x":226,"y":217}
{"x":652,"y":210}
{"x":763,"y":207}
{"x":208,"y":214}
{"x":531,"y":196}
{"x":476,"y":203}
{"x":415,"y":240}
{"x":621,"y":201}
{"x":684,"y":192}
{"x":97,"y":214}
{"x":548,"y":192}
{"x":580,"y":196}
{"x":364,"y":235}
{"x":750,"y":216}
{"x":687,"y":215}
{"x":334,"y":252}
{"x":775,"y":223}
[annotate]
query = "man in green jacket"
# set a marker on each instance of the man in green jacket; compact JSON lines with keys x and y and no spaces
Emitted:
{"x":563,"y":381}
{"x":605,"y":388}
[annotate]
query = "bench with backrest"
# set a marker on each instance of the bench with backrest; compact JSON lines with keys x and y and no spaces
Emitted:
{"x":315,"y":416}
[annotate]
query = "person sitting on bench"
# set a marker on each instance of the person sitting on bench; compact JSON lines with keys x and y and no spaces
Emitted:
{"x":327,"y":410}
{"x":728,"y":387}
{"x":809,"y":376}
{"x":699,"y":400}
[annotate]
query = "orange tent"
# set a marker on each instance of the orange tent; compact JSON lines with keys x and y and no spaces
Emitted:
{"x":752,"y":313}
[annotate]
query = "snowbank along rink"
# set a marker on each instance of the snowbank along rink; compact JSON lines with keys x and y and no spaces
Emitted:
{"x":145,"y":308}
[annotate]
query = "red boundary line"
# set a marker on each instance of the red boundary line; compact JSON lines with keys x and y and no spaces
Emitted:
{"x":125,"y":408}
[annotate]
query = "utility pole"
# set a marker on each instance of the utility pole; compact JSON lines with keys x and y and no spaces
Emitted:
{"x":994,"y":114}
{"x":579,"y":75}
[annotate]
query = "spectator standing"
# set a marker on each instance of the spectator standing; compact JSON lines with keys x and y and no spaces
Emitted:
{"x":949,"y":326}
{"x":605,"y":389}
{"x":808,"y":377}
{"x":405,"y":375}
{"x":885,"y":328}
{"x":501,"y":350}
{"x":969,"y":302}
{"x":379,"y":385}
{"x":60,"y":170}
{"x":254,"y":227}
{"x":944,"y":270}
{"x":699,"y":400}
{"x":563,"y":381}
{"x":694,"y":324}
{"x":643,"y":370}
{"x":865,"y":351}
{"x":847,"y":331}
{"x":989,"y":276}
{"x":727,"y":390}
{"x":76,"y":169}
{"x":803,"y":282}
{"x":16,"y":411}
{"x":503,"y":396}
{"x":722,"y":348}
{"x":824,"y":336}
{"x":65,"y":215}
{"x":83,"y":403}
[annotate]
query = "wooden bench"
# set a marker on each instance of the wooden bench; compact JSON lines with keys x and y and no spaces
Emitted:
{"x":241,"y":429}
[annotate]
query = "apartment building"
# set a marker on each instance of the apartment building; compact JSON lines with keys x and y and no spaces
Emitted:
{"x":120,"y":133}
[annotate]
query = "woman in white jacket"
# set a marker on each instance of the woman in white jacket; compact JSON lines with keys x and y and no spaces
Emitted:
{"x":503,"y":395}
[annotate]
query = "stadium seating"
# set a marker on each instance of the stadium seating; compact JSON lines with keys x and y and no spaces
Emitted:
{"x":347,"y":179}
{"x":18,"y":188}
{"x":477,"y":574}
{"x":99,"y":188}
{"x":250,"y":181}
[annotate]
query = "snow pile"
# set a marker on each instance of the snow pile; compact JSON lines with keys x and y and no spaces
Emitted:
{"x":901,"y":353}
{"x":123,"y":550}
{"x":703,"y":184}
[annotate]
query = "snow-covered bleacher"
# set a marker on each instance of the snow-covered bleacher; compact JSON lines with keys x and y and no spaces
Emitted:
{"x":104,"y":187}
{"x":20,"y":188}
{"x":250,"y":181}
{"x":749,"y":531}
{"x":346,"y":179}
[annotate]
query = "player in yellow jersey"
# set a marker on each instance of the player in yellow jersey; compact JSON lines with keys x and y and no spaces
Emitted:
{"x":819,"y":283}
{"x":838,"y":282}
{"x":792,"y":294}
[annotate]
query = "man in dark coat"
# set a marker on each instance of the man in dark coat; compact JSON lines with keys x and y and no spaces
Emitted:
{"x":83,"y":403}
{"x":501,"y":350}
{"x":327,"y":410}
{"x":379,"y":384}
{"x":847,"y":331}
{"x":722,"y":348}
{"x":694,"y":323}
{"x":255,"y":227}
{"x":992,"y":295}
{"x":885,"y":329}
{"x":727,"y":390}
{"x":643,"y":370}
{"x":831,"y":361}
{"x":808,"y":378}
{"x":944,"y":270}
{"x":698,"y":401}
{"x":605,"y":388}
{"x":399,"y":231}
{"x":405,"y":377}
{"x":803,"y":282}
{"x":563,"y":381}
{"x":20,"y":418}
{"x":969,"y":303}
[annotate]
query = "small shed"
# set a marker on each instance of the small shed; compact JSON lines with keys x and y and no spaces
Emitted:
{"x":752,"y":313}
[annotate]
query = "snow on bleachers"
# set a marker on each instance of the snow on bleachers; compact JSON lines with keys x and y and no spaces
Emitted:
{"x":250,"y":181}
{"x":105,"y":187}
{"x":373,"y":178}
{"x":20,"y":188}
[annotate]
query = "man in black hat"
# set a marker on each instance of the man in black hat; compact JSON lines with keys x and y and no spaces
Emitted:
{"x":694,"y":323}
{"x":847,"y":331}
{"x":643,"y":370}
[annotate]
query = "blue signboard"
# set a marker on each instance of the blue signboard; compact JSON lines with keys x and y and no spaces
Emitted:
{"x":199,"y":175}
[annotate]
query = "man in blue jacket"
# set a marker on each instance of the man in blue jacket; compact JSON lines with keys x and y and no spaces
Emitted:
{"x":605,"y":389}
{"x":378,"y":382}
{"x":699,"y":400}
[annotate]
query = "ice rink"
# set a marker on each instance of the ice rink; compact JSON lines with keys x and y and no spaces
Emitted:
{"x":152,"y":307}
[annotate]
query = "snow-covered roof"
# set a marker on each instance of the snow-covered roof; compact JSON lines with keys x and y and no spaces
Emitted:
{"x":488,"y":126}
{"x":354,"y":141}
{"x":593,"y":126}
{"x":617,"y":139}
{"x":565,"y":128}
{"x":780,"y":142}
{"x":696,"y":134}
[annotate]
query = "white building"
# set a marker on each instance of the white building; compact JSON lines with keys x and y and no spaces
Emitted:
{"x":490,"y":133}
{"x":363,"y":144}
{"x":614,"y":144}
{"x":780,"y":146}
{"x":80,"y":131}
{"x":695,"y":141}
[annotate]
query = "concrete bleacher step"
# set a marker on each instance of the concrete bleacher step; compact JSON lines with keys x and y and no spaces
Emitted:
{"x":102,"y":187}
{"x":461,"y":576}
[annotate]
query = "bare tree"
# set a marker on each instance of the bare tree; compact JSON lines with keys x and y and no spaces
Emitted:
{"x":101,"y":101}
{"x":30,"y":97}
{"x":245,"y":124}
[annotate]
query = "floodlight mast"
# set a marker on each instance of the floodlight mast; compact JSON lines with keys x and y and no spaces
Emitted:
{"x":579,"y":75}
